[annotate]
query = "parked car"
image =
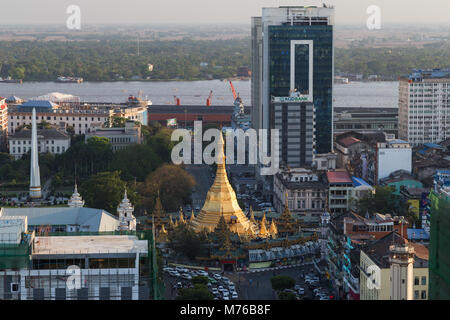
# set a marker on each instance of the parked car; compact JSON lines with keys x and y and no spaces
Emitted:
{"x":234,"y":295}
{"x":217,"y":276}
{"x":220,"y":288}
{"x":186,"y":276}
{"x":301,"y":291}
{"x":202,"y":273}
{"x":174,"y":273}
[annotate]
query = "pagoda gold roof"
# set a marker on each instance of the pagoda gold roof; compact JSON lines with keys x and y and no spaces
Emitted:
{"x":221,"y":199}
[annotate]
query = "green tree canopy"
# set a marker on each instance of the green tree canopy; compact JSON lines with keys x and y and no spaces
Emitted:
{"x":136,"y":161}
{"x":382,"y":201}
{"x":173,"y":183}
{"x":105,"y":191}
{"x":281,"y":282}
{"x":198,"y":292}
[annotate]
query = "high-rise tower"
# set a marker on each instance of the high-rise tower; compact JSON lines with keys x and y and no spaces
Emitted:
{"x":292,"y":50}
{"x":35,"y":178}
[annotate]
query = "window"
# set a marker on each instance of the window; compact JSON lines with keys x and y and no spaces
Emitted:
{"x":15,"y":287}
{"x":423,"y":295}
{"x":416,"y":295}
{"x":416,"y":281}
{"x":424,"y":281}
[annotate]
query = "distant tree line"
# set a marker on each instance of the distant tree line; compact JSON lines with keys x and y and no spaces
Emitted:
{"x":109,"y":60}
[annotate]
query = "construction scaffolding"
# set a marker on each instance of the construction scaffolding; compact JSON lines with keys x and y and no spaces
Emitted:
{"x":439,"y":266}
{"x":42,"y":268}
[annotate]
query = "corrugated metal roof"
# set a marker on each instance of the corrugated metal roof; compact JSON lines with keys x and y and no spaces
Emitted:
{"x":360,"y":182}
{"x":95,"y":219}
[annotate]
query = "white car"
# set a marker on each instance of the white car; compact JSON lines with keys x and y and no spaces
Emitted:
{"x":220,"y":288}
{"x":226,"y":298}
{"x":231,"y":287}
{"x":301,"y":291}
{"x":186,"y":276}
{"x":234,"y":295}
{"x":202,"y":273}
{"x":174,"y":273}
{"x":167,"y":269}
{"x":217,"y":276}
{"x":225,"y":293}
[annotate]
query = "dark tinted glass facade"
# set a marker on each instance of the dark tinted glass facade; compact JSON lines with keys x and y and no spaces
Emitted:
{"x":280,"y":60}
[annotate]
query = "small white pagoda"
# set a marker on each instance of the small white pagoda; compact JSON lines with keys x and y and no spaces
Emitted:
{"x":126,"y":219}
{"x":75,"y":200}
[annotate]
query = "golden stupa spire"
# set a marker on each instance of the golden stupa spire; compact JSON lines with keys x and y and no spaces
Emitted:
{"x":221,"y":200}
{"x":262,"y":229}
{"x":182,"y":216}
{"x":192,"y":216}
{"x":273,"y":228}
{"x":163,"y":229}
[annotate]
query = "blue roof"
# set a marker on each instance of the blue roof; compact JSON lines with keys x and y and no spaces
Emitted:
{"x":39,"y":105}
{"x":397,"y":141}
{"x":92,"y":220}
{"x":360,"y":182}
{"x":433,"y":146}
{"x":418,"y":234}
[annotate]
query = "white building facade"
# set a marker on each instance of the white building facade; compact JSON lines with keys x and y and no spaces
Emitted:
{"x":424,"y":106}
{"x":49,"y":140}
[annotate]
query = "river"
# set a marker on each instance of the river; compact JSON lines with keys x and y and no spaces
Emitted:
{"x":355,"y":94}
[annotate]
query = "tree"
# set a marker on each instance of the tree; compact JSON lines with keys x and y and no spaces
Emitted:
{"x":286,"y":296}
{"x":200,"y":280}
{"x":382,"y":201}
{"x":173,"y":183}
{"x":162,"y":144}
{"x":281,"y":282}
{"x":105,"y":191}
{"x":136,"y":161}
{"x":118,"y":122}
{"x":187,"y":242}
{"x":198,"y":292}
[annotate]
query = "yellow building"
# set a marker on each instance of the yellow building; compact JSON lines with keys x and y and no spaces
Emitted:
{"x":221,"y":200}
{"x":375,"y":271}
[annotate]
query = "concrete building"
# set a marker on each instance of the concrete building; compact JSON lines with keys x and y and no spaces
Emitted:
{"x":48,"y":140}
{"x":424,"y":106}
{"x":292,"y":50}
{"x":340,"y":191}
{"x":399,"y":179}
{"x":3,"y":122}
{"x":306,"y":191}
{"x":325,"y":161}
{"x":81,"y":120}
{"x":365,"y":120}
{"x":294,"y":119}
{"x":120,"y":138}
{"x":393,"y":155}
{"x":103,"y":267}
{"x":384,"y":277}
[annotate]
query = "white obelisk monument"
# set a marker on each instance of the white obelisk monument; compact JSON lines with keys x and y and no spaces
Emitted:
{"x":35,"y":179}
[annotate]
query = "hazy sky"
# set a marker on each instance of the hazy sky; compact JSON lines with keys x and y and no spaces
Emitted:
{"x":211,"y":11}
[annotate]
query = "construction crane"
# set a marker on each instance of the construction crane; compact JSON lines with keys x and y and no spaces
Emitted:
{"x":232,"y":90}
{"x":209,"y":100}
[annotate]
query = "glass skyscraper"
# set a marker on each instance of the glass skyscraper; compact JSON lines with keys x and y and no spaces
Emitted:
{"x":297,"y":54}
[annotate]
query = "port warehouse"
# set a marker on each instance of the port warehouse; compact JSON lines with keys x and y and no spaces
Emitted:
{"x":112,"y":265}
{"x":187,"y":114}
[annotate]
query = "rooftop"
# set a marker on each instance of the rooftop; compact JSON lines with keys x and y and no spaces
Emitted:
{"x":357,"y":182}
{"x":88,"y":245}
{"x":92,"y":220}
{"x":339,"y":177}
{"x":45,"y":133}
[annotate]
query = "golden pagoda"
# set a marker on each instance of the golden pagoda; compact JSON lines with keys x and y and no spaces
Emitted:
{"x":221,"y":199}
{"x":162,"y":235}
